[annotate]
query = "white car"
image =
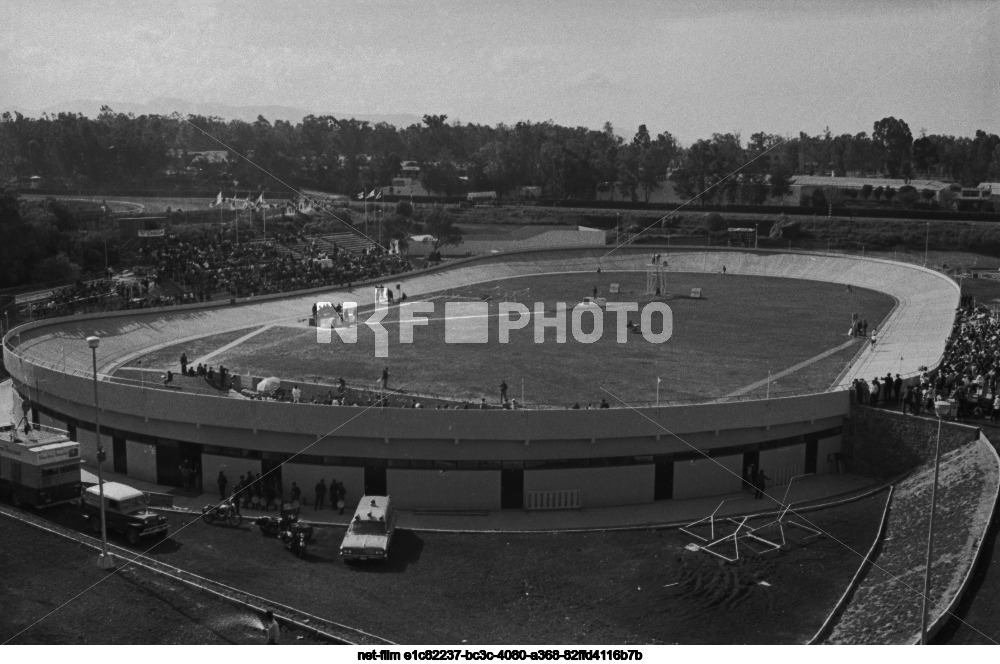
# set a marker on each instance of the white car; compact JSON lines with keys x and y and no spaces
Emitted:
{"x":370,"y":532}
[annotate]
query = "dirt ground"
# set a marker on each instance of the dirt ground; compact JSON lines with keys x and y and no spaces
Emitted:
{"x":586,"y":588}
{"x":43,"y":574}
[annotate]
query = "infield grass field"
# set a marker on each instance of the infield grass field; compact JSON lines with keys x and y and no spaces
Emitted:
{"x":728,"y":341}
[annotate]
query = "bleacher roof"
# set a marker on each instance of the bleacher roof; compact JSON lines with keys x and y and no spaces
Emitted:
{"x":858,"y":183}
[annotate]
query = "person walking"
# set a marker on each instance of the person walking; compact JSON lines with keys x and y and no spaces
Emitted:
{"x":320,"y":494}
{"x":385,"y":378}
{"x":271,"y":630}
{"x":761,"y":484}
{"x":222,"y":485}
{"x":341,"y":497}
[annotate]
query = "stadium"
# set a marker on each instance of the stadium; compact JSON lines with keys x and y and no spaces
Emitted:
{"x":668,"y":433}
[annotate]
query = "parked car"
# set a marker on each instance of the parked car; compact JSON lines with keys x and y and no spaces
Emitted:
{"x":125,"y":512}
{"x":370,"y":532}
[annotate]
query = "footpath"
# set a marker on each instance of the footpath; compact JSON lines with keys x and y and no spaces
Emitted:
{"x":805,"y":492}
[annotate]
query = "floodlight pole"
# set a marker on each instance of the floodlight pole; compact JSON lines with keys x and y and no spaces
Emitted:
{"x":941,"y":408}
{"x":927,"y":242}
{"x":104,"y":561}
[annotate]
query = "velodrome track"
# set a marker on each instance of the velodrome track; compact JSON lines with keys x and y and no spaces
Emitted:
{"x":912,"y":336}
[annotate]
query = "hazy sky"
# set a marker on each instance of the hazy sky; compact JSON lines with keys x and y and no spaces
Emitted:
{"x":688,"y":67}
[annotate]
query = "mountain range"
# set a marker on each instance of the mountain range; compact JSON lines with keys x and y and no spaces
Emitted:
{"x":167,"y":105}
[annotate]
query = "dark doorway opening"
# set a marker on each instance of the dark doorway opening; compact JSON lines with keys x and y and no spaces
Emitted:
{"x":663,"y":481}
{"x":512,"y":488}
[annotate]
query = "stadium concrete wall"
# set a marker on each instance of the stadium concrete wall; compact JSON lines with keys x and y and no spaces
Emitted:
{"x":141,"y":460}
{"x":624,"y":485}
{"x":232,"y":467}
{"x":444,"y":489}
{"x":398,"y":448}
{"x":699,"y":478}
{"x":885,"y":443}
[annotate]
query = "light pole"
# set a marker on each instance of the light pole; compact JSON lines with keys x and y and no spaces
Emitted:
{"x":941,"y":408}
{"x":927,"y":242}
{"x":104,"y":561}
{"x":657,"y":391}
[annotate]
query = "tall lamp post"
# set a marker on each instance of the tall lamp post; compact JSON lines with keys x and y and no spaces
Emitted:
{"x":942,"y":408}
{"x":104,"y":561}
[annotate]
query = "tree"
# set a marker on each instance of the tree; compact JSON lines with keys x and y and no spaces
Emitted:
{"x":925,"y":155}
{"x":441,"y":226}
{"x":866,"y":192}
{"x":907,"y":196}
{"x":894,"y":139}
{"x":781,"y":181}
{"x":877,"y":192}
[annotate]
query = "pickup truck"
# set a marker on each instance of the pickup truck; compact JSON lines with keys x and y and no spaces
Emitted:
{"x":125,"y":512}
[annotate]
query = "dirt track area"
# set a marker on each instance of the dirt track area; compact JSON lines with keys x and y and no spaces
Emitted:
{"x":592,"y":588}
{"x":42,"y":573}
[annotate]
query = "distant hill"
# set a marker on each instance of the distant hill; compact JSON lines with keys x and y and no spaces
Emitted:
{"x":167,"y":105}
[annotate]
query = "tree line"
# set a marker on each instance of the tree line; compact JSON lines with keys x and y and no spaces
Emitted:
{"x":156,"y":152}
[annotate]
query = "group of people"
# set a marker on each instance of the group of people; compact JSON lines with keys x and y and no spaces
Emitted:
{"x":968,"y":375}
{"x":338,"y":495}
{"x":102,"y":295}
{"x":252,"y":489}
{"x":213,"y":262}
{"x":881,"y":391}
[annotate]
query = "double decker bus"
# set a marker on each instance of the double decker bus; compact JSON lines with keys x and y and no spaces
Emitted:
{"x":39,"y":466}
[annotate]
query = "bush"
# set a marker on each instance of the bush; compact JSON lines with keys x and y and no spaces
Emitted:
{"x":56,"y":268}
{"x":715,"y":222}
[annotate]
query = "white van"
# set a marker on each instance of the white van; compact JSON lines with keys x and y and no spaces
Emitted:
{"x":369,"y":534}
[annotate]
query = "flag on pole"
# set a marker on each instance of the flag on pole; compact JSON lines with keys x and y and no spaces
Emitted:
{"x":217,"y":201}
{"x":370,"y":195}
{"x":260,"y":201}
{"x":361,"y":196}
{"x":378,"y":197}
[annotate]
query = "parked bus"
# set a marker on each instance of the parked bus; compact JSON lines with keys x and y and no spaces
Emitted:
{"x":39,"y":466}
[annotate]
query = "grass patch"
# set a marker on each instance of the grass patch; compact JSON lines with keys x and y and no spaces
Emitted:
{"x":744,"y":327}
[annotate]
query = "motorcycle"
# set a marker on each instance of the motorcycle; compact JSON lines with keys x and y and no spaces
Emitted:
{"x":294,"y":541}
{"x":287,"y":522}
{"x":225,"y":512}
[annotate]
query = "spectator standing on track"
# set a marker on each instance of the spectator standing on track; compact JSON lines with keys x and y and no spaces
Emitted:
{"x":184,"y":364}
{"x":503,"y":391}
{"x":897,"y":386}
{"x":296,"y":394}
{"x":875,"y":390}
{"x":385,"y":378}
{"x":908,"y":399}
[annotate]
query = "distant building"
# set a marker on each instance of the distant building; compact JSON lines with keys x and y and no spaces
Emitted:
{"x":803,"y":186}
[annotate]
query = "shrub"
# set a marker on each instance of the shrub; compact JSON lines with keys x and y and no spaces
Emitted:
{"x":715,"y":222}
